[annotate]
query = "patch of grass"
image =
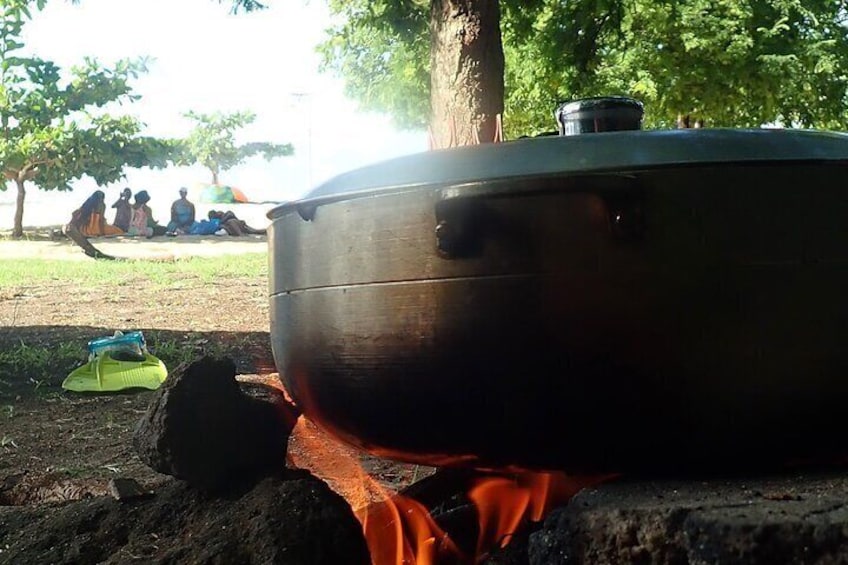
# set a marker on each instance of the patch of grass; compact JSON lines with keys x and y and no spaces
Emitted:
{"x":43,"y":368}
{"x":40,"y":365}
{"x":174,"y":353}
{"x":19,"y":273}
{"x":72,"y":472}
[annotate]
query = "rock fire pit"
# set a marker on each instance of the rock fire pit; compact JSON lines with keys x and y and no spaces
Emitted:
{"x":234,"y":502}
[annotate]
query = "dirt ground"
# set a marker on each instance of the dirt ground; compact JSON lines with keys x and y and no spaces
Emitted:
{"x":47,"y":244}
{"x":57,"y":446}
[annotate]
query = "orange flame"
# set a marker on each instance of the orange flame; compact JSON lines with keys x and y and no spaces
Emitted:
{"x":400,"y":530}
{"x":505,"y":504}
{"x":502,"y":504}
{"x":333,"y":462}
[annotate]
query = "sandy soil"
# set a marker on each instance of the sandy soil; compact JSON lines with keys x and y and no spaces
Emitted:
{"x":41,"y":246}
{"x":58,"y":444}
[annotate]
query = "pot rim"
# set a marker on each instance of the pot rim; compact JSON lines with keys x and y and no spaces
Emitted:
{"x":620,"y":151}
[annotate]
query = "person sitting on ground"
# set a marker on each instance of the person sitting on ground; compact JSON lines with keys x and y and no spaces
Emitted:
{"x":123,"y":210}
{"x":90,"y":218}
{"x":140,"y":214}
{"x":182,"y":214}
{"x":142,"y":222}
{"x":205,"y":227}
{"x":233,"y":225}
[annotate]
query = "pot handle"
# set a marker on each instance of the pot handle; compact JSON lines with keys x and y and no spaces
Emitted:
{"x":464,"y":217}
{"x":461,"y":227}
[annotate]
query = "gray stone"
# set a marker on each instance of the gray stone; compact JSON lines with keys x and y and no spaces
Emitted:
{"x":205,"y":428}
{"x":791,"y":519}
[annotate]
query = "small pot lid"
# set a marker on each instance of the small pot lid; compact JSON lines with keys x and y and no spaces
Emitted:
{"x":579,"y":154}
{"x":601,"y":103}
{"x":595,"y":115}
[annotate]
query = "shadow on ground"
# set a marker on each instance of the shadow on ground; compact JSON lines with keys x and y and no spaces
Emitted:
{"x":38,"y":358}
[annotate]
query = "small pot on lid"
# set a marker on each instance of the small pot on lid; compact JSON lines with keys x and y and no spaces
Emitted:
{"x":594,"y":115}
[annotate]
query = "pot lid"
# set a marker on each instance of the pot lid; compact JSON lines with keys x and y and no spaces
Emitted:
{"x":580,"y":154}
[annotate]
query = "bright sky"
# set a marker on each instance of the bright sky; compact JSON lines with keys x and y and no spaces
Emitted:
{"x":205,"y":59}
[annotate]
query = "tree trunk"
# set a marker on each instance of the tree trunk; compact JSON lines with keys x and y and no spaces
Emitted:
{"x":467,"y":72}
{"x":686,"y":121}
{"x":214,"y":177}
{"x":18,"y":228}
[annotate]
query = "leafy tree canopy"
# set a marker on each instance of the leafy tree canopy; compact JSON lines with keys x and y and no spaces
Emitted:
{"x":235,"y":5}
{"x":246,"y":5}
{"x":381,"y":48}
{"x":53,"y":131}
{"x":212,"y":143}
{"x":729,"y":62}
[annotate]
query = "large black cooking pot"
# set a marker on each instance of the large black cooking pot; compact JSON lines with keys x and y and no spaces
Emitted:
{"x":604,"y":302}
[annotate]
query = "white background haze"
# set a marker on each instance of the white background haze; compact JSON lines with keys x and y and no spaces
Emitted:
{"x":205,"y":59}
